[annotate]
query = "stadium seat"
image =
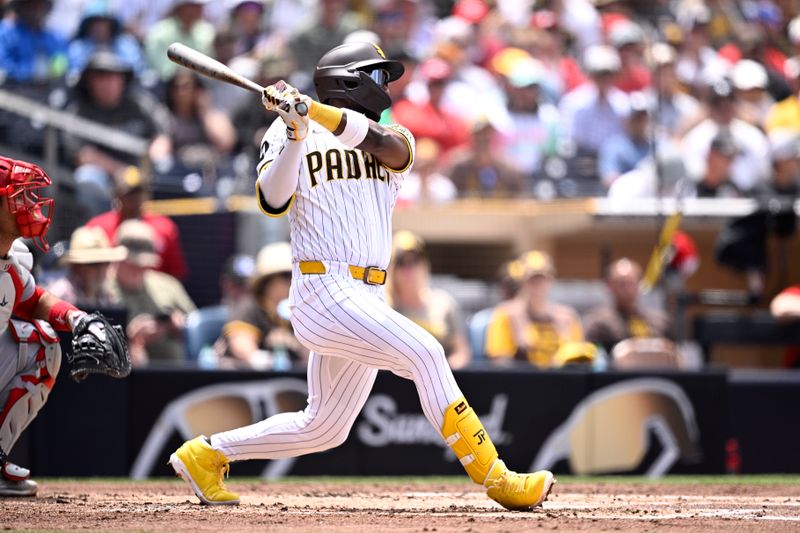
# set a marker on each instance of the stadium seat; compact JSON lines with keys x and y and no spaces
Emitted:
{"x":477,"y":333}
{"x":203,"y":328}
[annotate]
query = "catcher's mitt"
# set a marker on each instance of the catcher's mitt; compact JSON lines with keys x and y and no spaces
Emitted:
{"x":98,"y":348}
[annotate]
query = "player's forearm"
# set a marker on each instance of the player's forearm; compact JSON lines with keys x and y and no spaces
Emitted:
{"x":59,"y":313}
{"x":357,"y":131}
{"x":278,"y":179}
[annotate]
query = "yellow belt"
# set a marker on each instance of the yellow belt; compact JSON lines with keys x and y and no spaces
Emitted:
{"x":369,"y":275}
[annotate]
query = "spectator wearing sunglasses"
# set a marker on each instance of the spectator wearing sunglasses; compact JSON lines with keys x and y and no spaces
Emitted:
{"x":410,"y":293}
{"x":256,"y":335}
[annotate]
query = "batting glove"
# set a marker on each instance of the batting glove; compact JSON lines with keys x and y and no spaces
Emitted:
{"x":296,"y":123}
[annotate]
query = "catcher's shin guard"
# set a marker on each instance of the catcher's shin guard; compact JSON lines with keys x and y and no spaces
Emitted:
{"x":466,"y":436}
{"x":21,"y":399}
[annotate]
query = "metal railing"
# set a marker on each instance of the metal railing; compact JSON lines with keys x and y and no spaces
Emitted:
{"x":53,"y":120}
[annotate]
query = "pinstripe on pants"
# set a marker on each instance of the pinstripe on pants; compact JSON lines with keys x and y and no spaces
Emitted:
{"x":352,"y":333}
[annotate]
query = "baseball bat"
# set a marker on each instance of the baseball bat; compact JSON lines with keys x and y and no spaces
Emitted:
{"x":207,"y":66}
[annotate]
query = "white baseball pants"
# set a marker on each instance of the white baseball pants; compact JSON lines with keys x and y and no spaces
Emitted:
{"x":30,"y":358}
{"x":352,"y":333}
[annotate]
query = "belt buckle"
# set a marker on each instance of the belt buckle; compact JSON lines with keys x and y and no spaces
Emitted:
{"x":367,"y":271}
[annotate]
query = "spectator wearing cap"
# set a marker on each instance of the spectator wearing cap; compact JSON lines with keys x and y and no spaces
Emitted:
{"x":597,"y":110}
{"x":424,"y":183}
{"x":30,"y":53}
{"x":185,"y":25}
{"x":257,"y":336}
{"x":624,"y":317}
{"x":531,"y":327}
{"x":246,"y":22}
{"x":716,"y":181}
{"x":535,"y":132}
{"x":327,"y":28}
{"x":429,"y":119}
{"x":751,"y":164}
{"x":753,"y":102}
{"x":157,"y":303}
{"x":753,"y":43}
{"x":86,"y":281}
{"x":409,"y":293}
{"x":622,"y":152}
{"x":100,"y":28}
{"x":628,"y":38}
{"x":676,"y":109}
{"x":131,"y":189}
{"x":481,"y":172}
{"x":104,"y":93}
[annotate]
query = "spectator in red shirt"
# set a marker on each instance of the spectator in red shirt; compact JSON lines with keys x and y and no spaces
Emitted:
{"x":130,"y":192}
{"x":628,"y":38}
{"x":428,"y":119}
{"x":548,"y":46}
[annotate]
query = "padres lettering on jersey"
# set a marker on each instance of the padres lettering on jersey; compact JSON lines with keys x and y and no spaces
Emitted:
{"x":342,"y":208}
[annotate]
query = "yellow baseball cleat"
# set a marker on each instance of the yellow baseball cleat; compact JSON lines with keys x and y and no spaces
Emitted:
{"x":520,"y":492}
{"x":204,"y":468}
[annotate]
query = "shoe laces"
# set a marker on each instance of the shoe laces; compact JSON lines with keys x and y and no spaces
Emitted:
{"x":224,"y":469}
{"x":511,"y":482}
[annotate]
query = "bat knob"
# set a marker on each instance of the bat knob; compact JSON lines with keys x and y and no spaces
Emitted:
{"x":302,"y":109}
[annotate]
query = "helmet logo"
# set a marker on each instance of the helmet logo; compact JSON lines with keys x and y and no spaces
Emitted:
{"x":380,"y":52}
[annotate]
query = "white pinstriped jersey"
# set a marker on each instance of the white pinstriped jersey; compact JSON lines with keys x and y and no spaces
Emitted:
{"x":342,"y":208}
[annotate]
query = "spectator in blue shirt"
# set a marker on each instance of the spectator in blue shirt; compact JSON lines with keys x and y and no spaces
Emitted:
{"x":28,"y":51}
{"x":623,"y":151}
{"x":100,"y":28}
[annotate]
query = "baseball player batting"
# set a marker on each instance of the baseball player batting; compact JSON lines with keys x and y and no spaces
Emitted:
{"x":337,"y":173}
{"x":30,"y":354}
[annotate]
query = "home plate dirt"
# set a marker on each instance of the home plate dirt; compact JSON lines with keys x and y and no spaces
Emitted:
{"x":403,"y":506}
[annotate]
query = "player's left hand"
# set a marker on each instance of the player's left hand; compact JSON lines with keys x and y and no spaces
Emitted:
{"x":296,"y":123}
{"x":98,"y":348}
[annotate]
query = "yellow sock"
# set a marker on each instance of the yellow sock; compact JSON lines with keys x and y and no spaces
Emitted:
{"x":466,"y":436}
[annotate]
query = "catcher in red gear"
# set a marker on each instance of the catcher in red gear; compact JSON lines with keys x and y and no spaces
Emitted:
{"x":30,"y":354}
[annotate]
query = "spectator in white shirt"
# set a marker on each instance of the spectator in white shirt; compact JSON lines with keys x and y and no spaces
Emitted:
{"x":596,"y":110}
{"x":751,"y":165}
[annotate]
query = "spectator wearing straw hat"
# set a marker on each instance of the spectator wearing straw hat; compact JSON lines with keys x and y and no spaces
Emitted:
{"x":257,"y":336}
{"x":86,"y":282}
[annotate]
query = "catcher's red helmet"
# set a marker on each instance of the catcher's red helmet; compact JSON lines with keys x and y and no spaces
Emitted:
{"x":20,"y":183}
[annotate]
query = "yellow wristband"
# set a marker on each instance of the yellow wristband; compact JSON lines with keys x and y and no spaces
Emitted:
{"x":327,"y":116}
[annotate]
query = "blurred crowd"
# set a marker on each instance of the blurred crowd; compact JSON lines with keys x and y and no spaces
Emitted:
{"x":506,"y":98}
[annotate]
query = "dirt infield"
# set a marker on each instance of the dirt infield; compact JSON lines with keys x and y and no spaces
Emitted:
{"x":403,"y":506}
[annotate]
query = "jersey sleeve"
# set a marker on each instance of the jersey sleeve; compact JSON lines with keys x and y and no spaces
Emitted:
{"x":271,"y":144}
